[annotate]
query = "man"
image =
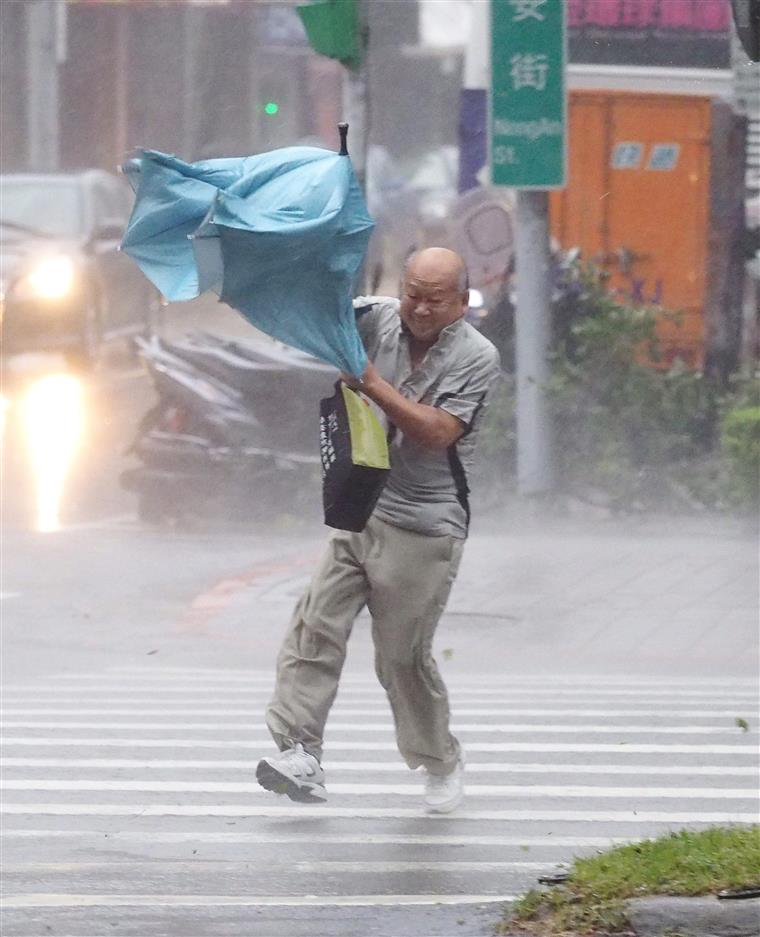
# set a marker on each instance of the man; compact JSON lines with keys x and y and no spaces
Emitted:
{"x":429,"y":378}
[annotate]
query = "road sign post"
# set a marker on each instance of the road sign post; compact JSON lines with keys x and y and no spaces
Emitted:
{"x":527,"y":130}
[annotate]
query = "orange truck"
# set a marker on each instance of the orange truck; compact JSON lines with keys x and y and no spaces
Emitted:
{"x":655,"y":196}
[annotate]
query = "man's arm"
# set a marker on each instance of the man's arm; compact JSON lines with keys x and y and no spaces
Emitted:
{"x":428,"y":426}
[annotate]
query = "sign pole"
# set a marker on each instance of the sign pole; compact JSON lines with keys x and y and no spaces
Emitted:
{"x":528,"y":152}
{"x":533,"y":334}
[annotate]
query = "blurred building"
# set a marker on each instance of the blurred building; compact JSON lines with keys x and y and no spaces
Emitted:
{"x":200,"y":79}
{"x":211,"y":77}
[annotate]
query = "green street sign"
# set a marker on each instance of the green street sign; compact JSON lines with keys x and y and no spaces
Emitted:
{"x":528,"y":104}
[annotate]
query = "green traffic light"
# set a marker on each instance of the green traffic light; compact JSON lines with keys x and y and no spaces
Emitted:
{"x":271,"y":108}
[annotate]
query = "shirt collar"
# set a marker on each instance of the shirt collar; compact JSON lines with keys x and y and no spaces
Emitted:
{"x":444,"y":336}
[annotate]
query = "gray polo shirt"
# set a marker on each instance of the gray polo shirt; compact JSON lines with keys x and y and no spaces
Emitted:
{"x":427,"y":489}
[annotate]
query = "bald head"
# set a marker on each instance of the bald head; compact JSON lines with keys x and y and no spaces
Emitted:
{"x":433,"y":294}
{"x":438,"y":264}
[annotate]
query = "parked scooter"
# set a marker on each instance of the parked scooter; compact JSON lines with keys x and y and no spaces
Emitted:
{"x":235,"y":429}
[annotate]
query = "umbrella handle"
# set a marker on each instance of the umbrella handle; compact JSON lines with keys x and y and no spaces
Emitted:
{"x":343,"y":131}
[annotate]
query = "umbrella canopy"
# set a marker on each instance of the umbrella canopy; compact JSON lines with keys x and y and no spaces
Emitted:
{"x":280,"y":237}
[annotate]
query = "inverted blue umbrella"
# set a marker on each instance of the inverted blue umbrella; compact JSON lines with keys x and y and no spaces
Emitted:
{"x":280,"y":237}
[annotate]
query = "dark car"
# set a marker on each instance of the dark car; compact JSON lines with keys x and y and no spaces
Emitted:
{"x":64,"y":285}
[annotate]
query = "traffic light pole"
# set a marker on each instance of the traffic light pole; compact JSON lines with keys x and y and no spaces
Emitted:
{"x":355,"y":100}
{"x":356,"y":115}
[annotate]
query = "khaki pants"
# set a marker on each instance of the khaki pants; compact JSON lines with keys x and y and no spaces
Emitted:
{"x":404,"y":579}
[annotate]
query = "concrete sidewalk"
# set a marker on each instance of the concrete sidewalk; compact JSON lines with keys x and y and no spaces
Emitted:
{"x":655,"y":597}
{"x":671,"y":597}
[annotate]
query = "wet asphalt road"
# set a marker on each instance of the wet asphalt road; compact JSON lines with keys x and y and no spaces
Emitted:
{"x":137,"y":663}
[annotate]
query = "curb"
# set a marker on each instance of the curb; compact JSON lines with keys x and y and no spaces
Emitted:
{"x":694,"y":917}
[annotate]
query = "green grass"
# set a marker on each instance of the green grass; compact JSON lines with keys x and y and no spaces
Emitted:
{"x":684,"y":863}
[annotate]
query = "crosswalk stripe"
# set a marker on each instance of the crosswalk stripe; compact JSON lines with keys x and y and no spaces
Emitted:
{"x":360,"y":727}
{"x":474,"y":790}
{"x":248,"y":743}
{"x":304,"y":866}
{"x":211,"y":709}
{"x":321,"y":837}
{"x":42,"y":900}
{"x":303,"y":812}
{"x":212,"y":674}
{"x":220,"y":707}
{"x":554,"y":767}
{"x":255,"y":707}
{"x":194,"y":692}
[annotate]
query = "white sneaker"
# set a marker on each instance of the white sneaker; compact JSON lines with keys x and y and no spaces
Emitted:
{"x":444,"y":793}
{"x":293,"y":772}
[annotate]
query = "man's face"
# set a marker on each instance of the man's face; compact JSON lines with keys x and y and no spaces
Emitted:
{"x":428,"y":305}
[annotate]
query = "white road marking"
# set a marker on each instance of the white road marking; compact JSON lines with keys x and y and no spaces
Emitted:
{"x":303,"y":811}
{"x":361,"y":727}
{"x":506,"y":767}
{"x":157,"y":690}
{"x":39,"y":900}
{"x":308,"y":866}
{"x":473,"y":790}
{"x":286,"y":835}
{"x":219,"y":709}
{"x":558,"y":680}
{"x":484,"y":702}
{"x":9,"y":595}
{"x":266,"y":743}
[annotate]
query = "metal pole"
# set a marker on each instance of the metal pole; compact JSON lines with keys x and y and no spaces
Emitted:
{"x":42,"y":98}
{"x":354,"y":104}
{"x":533,"y":325}
{"x":356,"y":115}
{"x":121,"y":102}
{"x":356,"y":101}
{"x":192,"y":24}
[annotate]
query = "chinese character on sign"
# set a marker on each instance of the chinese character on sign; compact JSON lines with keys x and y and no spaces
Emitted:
{"x":529,"y":71}
{"x":627,"y":156}
{"x":664,"y":156}
{"x":527,"y":9}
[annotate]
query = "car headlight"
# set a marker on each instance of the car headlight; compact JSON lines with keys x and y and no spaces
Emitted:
{"x":51,"y":278}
